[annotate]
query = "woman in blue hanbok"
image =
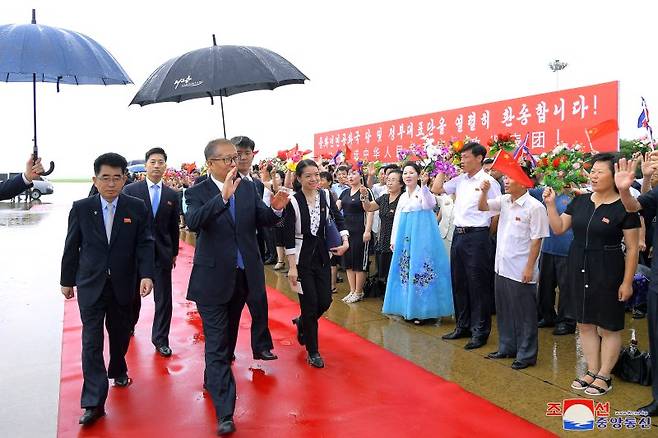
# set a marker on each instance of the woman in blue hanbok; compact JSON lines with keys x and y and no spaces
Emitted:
{"x":418,"y":286}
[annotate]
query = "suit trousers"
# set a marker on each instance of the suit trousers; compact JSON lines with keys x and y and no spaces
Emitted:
{"x":220,"y":328}
{"x":117,"y":322}
{"x":472,"y":289}
{"x":552,"y":273}
{"x":516,"y":303}
{"x":162,"y":292}
{"x":315,"y":281}
{"x":652,"y":315}
{"x":261,"y":338}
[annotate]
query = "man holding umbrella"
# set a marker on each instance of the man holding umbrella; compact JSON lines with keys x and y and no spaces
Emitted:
{"x":225,"y":212}
{"x":19,"y":183}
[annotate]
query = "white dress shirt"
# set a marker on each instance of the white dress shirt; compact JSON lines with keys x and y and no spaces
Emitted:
{"x":150,"y":185}
{"x":419,"y":199}
{"x":520,"y":222}
{"x":467,"y":191}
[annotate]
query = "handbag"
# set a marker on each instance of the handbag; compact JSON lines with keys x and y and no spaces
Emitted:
{"x":634,"y":365}
{"x":332,"y":237}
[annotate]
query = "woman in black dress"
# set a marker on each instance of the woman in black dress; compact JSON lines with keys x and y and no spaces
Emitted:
{"x":359,"y":223}
{"x":600,"y":274}
{"x":308,"y":258}
{"x":386,"y":204}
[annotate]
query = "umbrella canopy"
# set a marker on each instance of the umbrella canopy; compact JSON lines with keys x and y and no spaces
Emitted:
{"x":217,"y":71}
{"x":36,"y":53}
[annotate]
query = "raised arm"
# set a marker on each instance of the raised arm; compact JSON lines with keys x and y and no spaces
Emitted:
{"x":624,"y":177}
{"x":437,"y":186}
{"x":559,"y":223}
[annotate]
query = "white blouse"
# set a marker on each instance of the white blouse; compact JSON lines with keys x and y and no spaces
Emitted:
{"x":420,"y":199}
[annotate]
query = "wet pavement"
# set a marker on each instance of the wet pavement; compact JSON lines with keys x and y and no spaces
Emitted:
{"x":31,"y":315}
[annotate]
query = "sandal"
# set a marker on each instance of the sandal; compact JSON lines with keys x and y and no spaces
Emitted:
{"x":597,"y":390}
{"x":347,"y":298}
{"x":583,"y":384}
{"x":279,"y":266}
{"x":356,"y":297}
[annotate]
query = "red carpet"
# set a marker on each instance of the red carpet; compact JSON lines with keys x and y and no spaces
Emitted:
{"x":365,"y":391}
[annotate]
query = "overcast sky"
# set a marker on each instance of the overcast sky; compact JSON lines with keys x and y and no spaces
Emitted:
{"x":367,"y":61}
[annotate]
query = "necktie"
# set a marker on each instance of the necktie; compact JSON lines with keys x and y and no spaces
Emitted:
{"x":155,"y":202}
{"x":231,"y":207}
{"x":109,"y":221}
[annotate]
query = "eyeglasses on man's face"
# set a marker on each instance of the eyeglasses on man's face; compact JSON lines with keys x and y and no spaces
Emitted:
{"x":110,"y":179}
{"x":226,"y":160}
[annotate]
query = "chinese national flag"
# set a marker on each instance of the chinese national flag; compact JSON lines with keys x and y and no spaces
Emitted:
{"x":348,"y":154}
{"x":602,"y":129}
{"x":507,"y":165}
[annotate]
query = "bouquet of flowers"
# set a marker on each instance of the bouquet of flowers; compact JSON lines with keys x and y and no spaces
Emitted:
{"x":563,"y":167}
{"x":433,"y":158}
{"x":501,"y":141}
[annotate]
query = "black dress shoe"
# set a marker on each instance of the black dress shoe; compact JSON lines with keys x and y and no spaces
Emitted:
{"x":91,"y":415}
{"x":122,"y":381}
{"x":265,"y":355}
{"x":499,"y":355}
{"x":163,"y":350}
{"x":300,"y":331}
{"x":564,"y":329}
{"x":544,"y":323}
{"x":457,"y":334}
{"x":651,"y":409}
{"x":639,"y":314}
{"x":271,"y":261}
{"x":518,"y":365}
{"x":315,"y":360}
{"x":226,"y":426}
{"x":475,"y":343}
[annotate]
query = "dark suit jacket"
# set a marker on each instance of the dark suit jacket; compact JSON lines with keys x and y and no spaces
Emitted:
{"x":88,"y":256}
{"x":215,"y":258}
{"x":165,"y":225}
{"x":12,"y":187}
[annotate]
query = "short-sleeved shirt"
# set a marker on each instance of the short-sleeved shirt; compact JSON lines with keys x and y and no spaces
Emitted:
{"x":521,"y":222}
{"x":467,"y":190}
{"x":555,"y":244}
{"x":386,"y":217}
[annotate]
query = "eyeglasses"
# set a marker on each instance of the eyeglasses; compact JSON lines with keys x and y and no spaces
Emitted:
{"x":226,"y":160}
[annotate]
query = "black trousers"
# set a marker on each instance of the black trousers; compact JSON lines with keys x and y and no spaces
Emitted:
{"x":163,"y":307}
{"x":261,"y":338}
{"x":220,"y":328}
{"x":652,"y":314}
{"x":117,"y":322}
{"x":552,"y":274}
{"x":315,"y":279}
{"x":472,"y":286}
{"x":270,"y":242}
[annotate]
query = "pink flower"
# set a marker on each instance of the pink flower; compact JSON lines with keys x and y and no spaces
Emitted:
{"x":576,"y":166}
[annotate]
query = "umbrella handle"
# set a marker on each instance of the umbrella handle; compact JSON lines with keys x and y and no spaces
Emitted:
{"x":50,"y":169}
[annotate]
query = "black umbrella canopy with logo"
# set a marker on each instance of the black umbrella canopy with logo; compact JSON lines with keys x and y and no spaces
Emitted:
{"x":217,"y":71}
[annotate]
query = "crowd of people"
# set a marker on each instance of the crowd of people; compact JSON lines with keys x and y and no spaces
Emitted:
{"x":469,"y":246}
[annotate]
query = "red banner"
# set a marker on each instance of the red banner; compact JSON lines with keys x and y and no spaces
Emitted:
{"x":550,"y":118}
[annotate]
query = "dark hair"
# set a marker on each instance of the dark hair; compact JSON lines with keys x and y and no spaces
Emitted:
{"x":296,"y":185}
{"x":609,"y":158}
{"x":110,"y":159}
{"x":399,"y":173}
{"x":415,"y":166}
{"x":210,"y":147}
{"x":303,"y":165}
{"x":153,"y":151}
{"x":390,"y":167}
{"x":327,"y":175}
{"x":488,"y":161}
{"x":476,"y":149}
{"x":343,"y":169}
{"x":242,"y":141}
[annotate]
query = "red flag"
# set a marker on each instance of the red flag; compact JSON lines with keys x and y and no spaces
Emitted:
{"x":348,"y":154}
{"x":506,"y":164}
{"x":602,"y":129}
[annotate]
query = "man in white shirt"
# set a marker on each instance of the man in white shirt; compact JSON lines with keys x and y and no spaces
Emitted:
{"x":471,"y":262}
{"x":522,"y":225}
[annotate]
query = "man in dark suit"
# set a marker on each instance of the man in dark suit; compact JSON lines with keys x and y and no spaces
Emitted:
{"x":18,"y":184}
{"x":225,"y":211}
{"x":261,"y":338}
{"x":108,"y":246}
{"x":162,"y":205}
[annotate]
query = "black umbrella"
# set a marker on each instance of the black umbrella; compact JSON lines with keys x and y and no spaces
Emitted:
{"x":217,"y":71}
{"x":37,"y":53}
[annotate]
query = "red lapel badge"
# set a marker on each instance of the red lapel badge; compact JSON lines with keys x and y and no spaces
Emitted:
{"x":127,"y":220}
{"x":605,"y":220}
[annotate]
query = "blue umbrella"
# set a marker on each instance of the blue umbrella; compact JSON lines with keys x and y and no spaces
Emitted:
{"x":36,"y":53}
{"x":217,"y":71}
{"x":136,"y":168}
